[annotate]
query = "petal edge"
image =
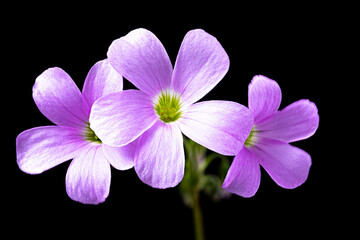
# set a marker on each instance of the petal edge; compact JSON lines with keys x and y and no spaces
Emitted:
{"x":164,"y":167}
{"x":59,"y":99}
{"x":142,"y":59}
{"x":41,"y":148}
{"x":287,"y":165}
{"x":88,"y":177}
{"x":297,"y":121}
{"x":119,"y":118}
{"x":101,"y":80}
{"x":221,"y":126}
{"x":200,"y":65}
{"x":264,"y":97}
{"x":243,"y":177}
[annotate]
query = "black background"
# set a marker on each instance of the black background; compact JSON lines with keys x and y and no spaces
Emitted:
{"x":294,"y":45}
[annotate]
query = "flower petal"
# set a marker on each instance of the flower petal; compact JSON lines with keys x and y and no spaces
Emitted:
{"x":264,"y":97}
{"x":297,"y":121}
{"x":243,"y":177}
{"x":142,"y":59}
{"x":119,"y":118}
{"x":159,"y":158}
{"x":201,"y":63}
{"x":221,"y":126}
{"x":101,"y":80}
{"x":59,"y":99}
{"x":41,"y":148}
{"x":121,"y":158}
{"x":287,"y":165}
{"x":88,"y":177}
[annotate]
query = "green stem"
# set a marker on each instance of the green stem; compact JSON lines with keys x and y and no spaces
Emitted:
{"x":190,"y":186}
{"x":198,"y":221}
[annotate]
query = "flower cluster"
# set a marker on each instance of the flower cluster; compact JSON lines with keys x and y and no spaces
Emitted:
{"x":105,"y":125}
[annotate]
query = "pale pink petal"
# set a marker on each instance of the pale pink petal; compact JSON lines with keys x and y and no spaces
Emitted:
{"x":41,"y":148}
{"x":142,"y":59}
{"x":88,"y":177}
{"x":287,"y":165}
{"x":159,"y":158}
{"x":243,"y":177}
{"x":264,"y":97}
{"x":200,"y":65}
{"x":297,"y":121}
{"x":121,"y":158}
{"x":119,"y":118}
{"x":101,"y":80}
{"x":59,"y":99}
{"x":221,"y":126}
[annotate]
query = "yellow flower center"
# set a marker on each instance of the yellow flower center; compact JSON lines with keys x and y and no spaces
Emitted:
{"x":168,"y":106}
{"x":90,"y":135}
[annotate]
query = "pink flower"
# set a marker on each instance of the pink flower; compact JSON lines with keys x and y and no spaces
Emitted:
{"x":268,"y":143}
{"x":164,"y":106}
{"x":41,"y":148}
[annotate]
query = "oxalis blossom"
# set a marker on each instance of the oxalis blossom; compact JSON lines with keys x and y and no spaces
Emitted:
{"x":268,"y":143}
{"x":164,"y":106}
{"x":41,"y":148}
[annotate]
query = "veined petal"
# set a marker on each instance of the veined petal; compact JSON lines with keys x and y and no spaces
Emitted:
{"x":119,"y":118}
{"x":88,"y":177}
{"x":264,"y":97}
{"x":297,"y":121}
{"x":121,"y":158}
{"x":41,"y":148}
{"x":159,"y":158}
{"x":101,"y":80}
{"x":243,"y":177}
{"x":142,"y":59}
{"x":59,"y":99}
{"x":287,"y":165}
{"x":221,"y":126}
{"x":201,"y":63}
